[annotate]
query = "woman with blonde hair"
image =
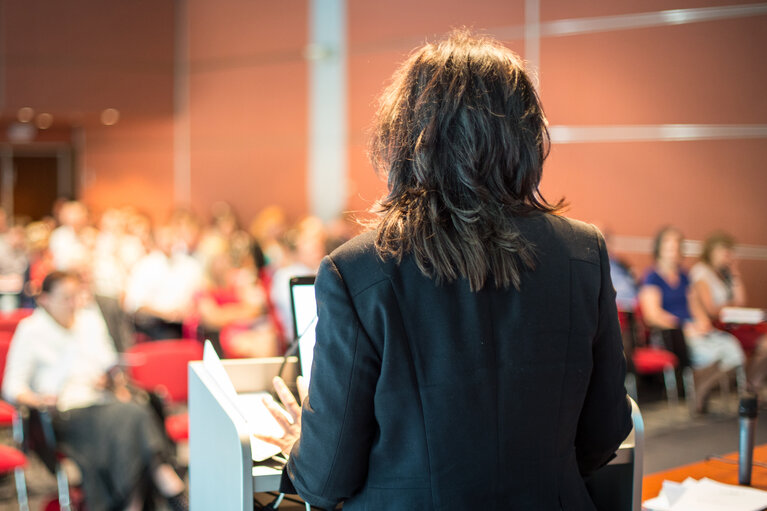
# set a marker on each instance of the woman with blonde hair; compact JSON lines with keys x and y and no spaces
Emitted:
{"x":717,"y":284}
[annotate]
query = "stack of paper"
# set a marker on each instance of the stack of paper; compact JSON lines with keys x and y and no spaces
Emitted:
{"x":742,"y":315}
{"x":706,"y":495}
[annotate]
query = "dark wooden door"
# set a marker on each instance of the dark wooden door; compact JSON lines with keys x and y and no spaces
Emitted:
{"x":36,"y":185}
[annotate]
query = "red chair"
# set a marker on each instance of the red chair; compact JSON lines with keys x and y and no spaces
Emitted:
{"x":13,"y":460}
{"x":177,"y":426}
{"x":656,"y":361}
{"x":5,"y":345}
{"x":161,"y":367}
{"x":10,"y":320}
{"x":7,"y":412}
{"x":647,"y":360}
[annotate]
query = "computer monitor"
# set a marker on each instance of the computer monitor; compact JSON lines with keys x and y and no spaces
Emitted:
{"x":304,"y":306}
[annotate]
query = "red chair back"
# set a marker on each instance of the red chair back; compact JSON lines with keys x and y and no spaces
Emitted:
{"x":10,"y":320}
{"x":11,"y":458}
{"x":5,"y":344}
{"x":161,"y":366}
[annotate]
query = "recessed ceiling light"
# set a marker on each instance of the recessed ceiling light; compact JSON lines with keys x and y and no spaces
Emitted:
{"x":44,"y":121}
{"x":25,"y":114}
{"x":110,"y":116}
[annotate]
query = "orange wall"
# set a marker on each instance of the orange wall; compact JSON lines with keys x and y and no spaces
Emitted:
{"x":248,"y":90}
{"x":74,"y":59}
{"x":130,"y":163}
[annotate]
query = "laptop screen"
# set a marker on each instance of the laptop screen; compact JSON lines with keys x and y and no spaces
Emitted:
{"x":304,"y":307}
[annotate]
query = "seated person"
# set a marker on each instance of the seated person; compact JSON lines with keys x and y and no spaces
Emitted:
{"x":305,"y":248}
{"x":232,"y":309}
{"x":40,"y":261}
{"x":717,"y":284}
{"x":626,"y":297}
{"x":669,"y":305}
{"x":13,"y":267}
{"x":61,"y":358}
{"x":160,"y":289}
{"x":67,"y":243}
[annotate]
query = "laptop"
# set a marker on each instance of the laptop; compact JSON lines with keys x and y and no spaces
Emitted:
{"x":304,"y":306}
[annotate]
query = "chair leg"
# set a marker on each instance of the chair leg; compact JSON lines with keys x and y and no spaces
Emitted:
{"x":689,"y":388}
{"x":672,"y":393}
{"x":21,"y":489}
{"x":724,"y":389}
{"x":631,"y":386}
{"x":62,"y":482}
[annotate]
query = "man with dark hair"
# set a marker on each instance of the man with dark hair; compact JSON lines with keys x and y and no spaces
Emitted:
{"x":62,"y":358}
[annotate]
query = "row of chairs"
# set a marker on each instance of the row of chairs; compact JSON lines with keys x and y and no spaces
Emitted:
{"x":12,"y":459}
{"x":654,"y":352}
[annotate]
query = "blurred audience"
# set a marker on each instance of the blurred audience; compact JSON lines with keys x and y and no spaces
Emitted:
{"x":61,"y":358}
{"x":268,"y":229}
{"x":669,"y":306}
{"x":232,"y":309}
{"x":187,"y":278}
{"x":180,"y":278}
{"x":161,"y":286}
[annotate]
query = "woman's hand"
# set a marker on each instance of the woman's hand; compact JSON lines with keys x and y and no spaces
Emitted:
{"x":292,"y":427}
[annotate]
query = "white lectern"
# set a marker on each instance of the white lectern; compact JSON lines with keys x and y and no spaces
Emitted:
{"x":221,"y":470}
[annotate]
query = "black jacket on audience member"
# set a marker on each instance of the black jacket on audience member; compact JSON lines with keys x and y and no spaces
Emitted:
{"x":430,"y":396}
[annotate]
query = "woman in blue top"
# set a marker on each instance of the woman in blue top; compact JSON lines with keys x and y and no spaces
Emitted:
{"x":670,"y":305}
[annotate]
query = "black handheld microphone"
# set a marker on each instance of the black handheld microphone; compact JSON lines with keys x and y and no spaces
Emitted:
{"x":747,"y":412}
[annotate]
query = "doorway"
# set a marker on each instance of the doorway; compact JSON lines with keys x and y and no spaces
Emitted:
{"x":33,"y":178}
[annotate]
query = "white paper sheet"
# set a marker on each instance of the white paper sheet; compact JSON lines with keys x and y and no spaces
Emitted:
{"x":706,"y":495}
{"x":250,"y":406}
{"x":742,"y":315}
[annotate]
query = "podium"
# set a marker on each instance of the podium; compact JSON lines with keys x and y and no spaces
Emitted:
{"x":222,"y":474}
{"x":221,"y":470}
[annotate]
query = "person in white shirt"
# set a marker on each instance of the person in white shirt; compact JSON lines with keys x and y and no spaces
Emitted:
{"x":717,"y":283}
{"x":161,"y":288}
{"x":66,"y":244}
{"x":306,"y":248}
{"x":61,"y":358}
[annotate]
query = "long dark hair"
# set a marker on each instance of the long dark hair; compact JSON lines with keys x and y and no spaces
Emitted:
{"x":461,"y":136}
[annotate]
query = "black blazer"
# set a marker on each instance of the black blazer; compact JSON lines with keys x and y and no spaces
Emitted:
{"x":428,"y":396}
